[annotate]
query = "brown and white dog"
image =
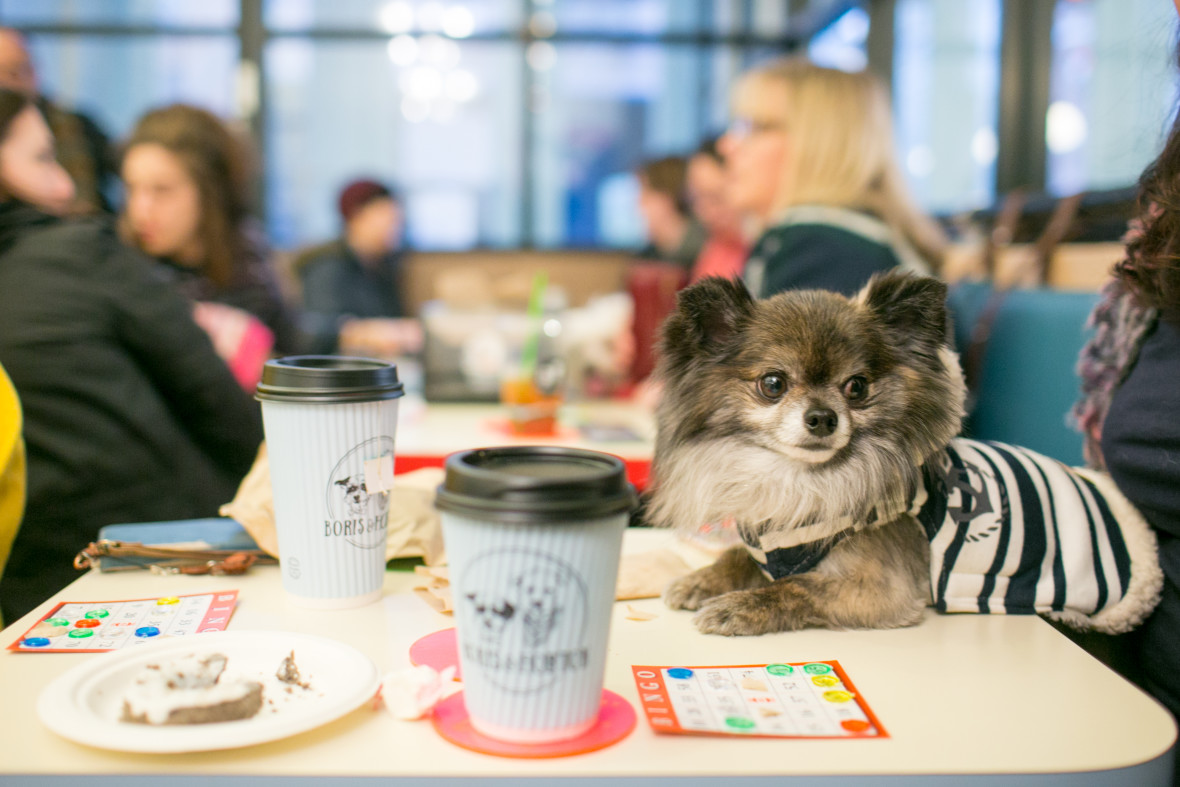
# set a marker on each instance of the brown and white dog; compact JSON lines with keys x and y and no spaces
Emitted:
{"x":824,"y":427}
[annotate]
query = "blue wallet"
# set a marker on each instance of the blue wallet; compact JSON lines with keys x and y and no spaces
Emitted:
{"x":216,"y":534}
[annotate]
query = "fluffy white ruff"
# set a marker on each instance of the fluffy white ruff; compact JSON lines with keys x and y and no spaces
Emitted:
{"x":716,"y":480}
{"x":1147,"y":578}
{"x":812,"y":456}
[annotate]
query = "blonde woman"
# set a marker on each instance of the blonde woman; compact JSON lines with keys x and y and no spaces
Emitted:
{"x":810,"y":160}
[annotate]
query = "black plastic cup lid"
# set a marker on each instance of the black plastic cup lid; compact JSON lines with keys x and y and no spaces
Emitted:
{"x":535,"y":485}
{"x":328,"y":378}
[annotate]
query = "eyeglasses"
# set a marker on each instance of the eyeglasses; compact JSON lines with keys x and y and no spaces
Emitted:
{"x":741,"y":128}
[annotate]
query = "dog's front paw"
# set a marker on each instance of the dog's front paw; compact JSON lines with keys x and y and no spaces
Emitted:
{"x":737,"y":614}
{"x":692,"y":590}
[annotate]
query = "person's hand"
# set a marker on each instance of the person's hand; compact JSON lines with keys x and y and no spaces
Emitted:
{"x":380,"y":337}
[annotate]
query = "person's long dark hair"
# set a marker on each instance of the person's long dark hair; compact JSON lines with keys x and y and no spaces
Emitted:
{"x":1152,"y":267}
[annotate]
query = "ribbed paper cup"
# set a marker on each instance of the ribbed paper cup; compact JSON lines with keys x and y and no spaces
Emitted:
{"x":325,"y":417}
{"x":533,"y":537}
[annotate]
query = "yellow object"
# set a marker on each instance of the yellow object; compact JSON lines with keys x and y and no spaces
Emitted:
{"x":12,"y":467}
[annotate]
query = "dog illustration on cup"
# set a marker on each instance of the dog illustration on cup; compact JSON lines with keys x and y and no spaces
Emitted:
{"x":532,"y":599}
{"x":355,"y":493}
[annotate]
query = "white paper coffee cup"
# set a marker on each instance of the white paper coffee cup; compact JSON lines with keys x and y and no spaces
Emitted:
{"x":325,"y":417}
{"x":533,"y":538}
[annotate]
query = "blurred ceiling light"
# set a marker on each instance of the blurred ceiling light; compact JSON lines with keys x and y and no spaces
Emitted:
{"x":920,"y":161}
{"x":403,"y":50}
{"x":396,"y":17}
{"x":431,"y":16}
{"x":442,"y":111}
{"x":439,"y":51}
{"x":541,"y":55}
{"x":414,"y":110}
{"x":984,"y":146}
{"x":422,"y":82}
{"x":1065,"y":127}
{"x":458,"y":22}
{"x":542,"y":24}
{"x":461,"y":86}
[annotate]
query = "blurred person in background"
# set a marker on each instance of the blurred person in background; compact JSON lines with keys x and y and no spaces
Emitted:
{"x":352,"y":286}
{"x":725,"y":250}
{"x":129,"y":415}
{"x":810,"y":158}
{"x":675,"y":239}
{"x":673,"y":233}
{"x":83,"y":149}
{"x":186,"y":176}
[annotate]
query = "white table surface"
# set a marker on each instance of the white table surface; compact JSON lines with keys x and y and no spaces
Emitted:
{"x":439,"y":429}
{"x":964,"y":698}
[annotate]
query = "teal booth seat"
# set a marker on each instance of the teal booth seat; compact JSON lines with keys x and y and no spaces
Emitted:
{"x":1025,"y":378}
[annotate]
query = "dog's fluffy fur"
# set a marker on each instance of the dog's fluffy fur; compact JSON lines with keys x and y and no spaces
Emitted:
{"x":806,"y":407}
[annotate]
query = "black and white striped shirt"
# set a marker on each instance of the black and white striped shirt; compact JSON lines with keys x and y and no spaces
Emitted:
{"x":1011,"y":531}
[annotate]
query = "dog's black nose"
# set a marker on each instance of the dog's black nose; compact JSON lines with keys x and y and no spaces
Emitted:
{"x":820,"y":421}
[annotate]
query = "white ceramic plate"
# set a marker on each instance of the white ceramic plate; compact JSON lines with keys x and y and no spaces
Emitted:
{"x":84,"y":704}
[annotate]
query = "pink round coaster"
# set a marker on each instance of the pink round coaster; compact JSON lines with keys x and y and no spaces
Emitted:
{"x":438,"y":650}
{"x":616,"y":719}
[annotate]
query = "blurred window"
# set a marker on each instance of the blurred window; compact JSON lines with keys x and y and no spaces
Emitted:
{"x":599,"y":110}
{"x":504,"y":123}
{"x":454,"y":19}
{"x":842,"y":43}
{"x":438,"y":118}
{"x":166,"y":13}
{"x":1111,"y":91}
{"x":79,"y":72}
{"x":946,"y":81}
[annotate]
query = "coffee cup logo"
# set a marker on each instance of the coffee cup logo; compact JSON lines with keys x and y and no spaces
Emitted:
{"x":355,"y":514}
{"x":525,"y":619}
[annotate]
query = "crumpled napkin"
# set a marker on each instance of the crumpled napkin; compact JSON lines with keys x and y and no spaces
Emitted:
{"x":413,"y":692}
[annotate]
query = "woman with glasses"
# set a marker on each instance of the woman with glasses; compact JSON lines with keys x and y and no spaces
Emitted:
{"x":810,"y":161}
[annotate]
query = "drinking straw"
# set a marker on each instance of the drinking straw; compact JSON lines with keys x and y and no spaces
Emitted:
{"x":528,"y":357}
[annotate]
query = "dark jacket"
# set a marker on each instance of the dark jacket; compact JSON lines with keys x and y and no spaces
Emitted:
{"x":338,"y":286}
{"x":818,"y":247}
{"x":129,"y":413}
{"x":1141,"y":447}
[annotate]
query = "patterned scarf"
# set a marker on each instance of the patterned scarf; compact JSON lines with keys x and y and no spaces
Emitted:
{"x":1121,"y":325}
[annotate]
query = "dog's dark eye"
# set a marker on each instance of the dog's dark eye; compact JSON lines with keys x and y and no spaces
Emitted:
{"x":856,"y":388}
{"x":772,"y":385}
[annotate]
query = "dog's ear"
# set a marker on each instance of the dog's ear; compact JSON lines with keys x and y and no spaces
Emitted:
{"x":912,"y":308}
{"x":708,"y":315}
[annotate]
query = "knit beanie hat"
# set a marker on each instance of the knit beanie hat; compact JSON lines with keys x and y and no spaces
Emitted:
{"x":358,"y":194}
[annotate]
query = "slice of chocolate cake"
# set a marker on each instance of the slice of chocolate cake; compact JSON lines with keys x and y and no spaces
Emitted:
{"x":190,"y":690}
